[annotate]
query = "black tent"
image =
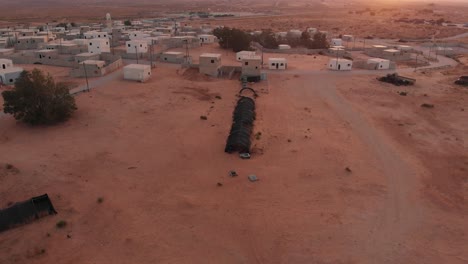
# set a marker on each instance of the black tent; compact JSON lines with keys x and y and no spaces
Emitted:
{"x":25,"y":212}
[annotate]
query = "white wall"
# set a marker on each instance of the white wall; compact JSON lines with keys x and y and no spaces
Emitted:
{"x":340,"y":65}
{"x":98,"y":46}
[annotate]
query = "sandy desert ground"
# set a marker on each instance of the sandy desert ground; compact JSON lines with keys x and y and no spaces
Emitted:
{"x":350,"y":171}
{"x":144,"y":150}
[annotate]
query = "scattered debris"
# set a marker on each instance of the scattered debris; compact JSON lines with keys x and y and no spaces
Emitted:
{"x":463,"y":80}
{"x":233,"y":173}
{"x":258,"y":135}
{"x":203,"y":117}
{"x":427,"y":105}
{"x":61,"y":224}
{"x":244,"y":155}
{"x":253,"y":178}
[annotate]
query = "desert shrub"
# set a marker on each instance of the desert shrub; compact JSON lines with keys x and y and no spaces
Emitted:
{"x":37,"y":99}
{"x":61,"y":224}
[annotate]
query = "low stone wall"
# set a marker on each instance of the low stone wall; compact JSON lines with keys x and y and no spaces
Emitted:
{"x":51,"y":62}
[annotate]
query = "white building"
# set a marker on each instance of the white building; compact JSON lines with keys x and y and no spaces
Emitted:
{"x":9,"y":73}
{"x":277,"y":64}
{"x":172,"y":57}
{"x":205,"y":38}
{"x":134,"y":46}
{"x":347,"y":38}
{"x":391,"y":52}
{"x":98,"y":45}
{"x":295,"y":33}
{"x":379,"y":64}
{"x":95,"y":35}
{"x":340,"y":65}
{"x":284,"y":47}
{"x":5,"y":63}
{"x":210,"y":63}
{"x":244,"y":54}
{"x":137,"y":72}
{"x":337,"y":42}
{"x":312,"y":31}
{"x":134,"y":35}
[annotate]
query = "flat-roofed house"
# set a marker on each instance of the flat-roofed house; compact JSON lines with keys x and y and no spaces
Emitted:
{"x":210,"y":64}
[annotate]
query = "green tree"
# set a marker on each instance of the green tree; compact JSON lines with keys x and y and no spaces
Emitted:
{"x":234,"y":39}
{"x":319,"y":42}
{"x":37,"y":99}
{"x":267,"y":39}
{"x":127,"y":23}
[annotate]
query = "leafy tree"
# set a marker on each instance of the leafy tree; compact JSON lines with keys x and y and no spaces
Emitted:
{"x":127,"y":23}
{"x":319,"y":42}
{"x":38,"y":100}
{"x":267,"y":39}
{"x":232,"y":38}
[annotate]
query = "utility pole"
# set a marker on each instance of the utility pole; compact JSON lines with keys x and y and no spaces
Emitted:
{"x":86,"y":76}
{"x":136,"y":50}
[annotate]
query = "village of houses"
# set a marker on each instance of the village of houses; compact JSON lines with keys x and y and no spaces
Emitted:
{"x":98,"y":49}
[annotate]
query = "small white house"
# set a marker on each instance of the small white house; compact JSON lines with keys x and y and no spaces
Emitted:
{"x":172,"y":57}
{"x":340,"y":65}
{"x":391,"y":52}
{"x":210,"y":63}
{"x":277,"y":64}
{"x":347,"y":38}
{"x":284,"y":47}
{"x":9,"y":75}
{"x":134,"y":46}
{"x":5,"y":64}
{"x":337,"y":42}
{"x":312,"y":31}
{"x":295,"y":33}
{"x":95,"y":34}
{"x":207,"y":38}
{"x":137,"y":72}
{"x":379,"y":64}
{"x":244,"y":54}
{"x":98,"y":45}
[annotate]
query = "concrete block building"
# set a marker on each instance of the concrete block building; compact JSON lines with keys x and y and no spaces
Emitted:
{"x":210,"y":64}
{"x":136,"y":46}
{"x":340,"y":64}
{"x":251,"y":66}
{"x":98,"y":45}
{"x":9,"y":73}
{"x":172,"y":57}
{"x":137,"y":72}
{"x":277,"y":64}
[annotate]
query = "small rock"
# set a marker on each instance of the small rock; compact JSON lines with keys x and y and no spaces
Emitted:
{"x":233,"y":173}
{"x":219,"y":184}
{"x":253,"y":178}
{"x":131,"y":168}
{"x":348,"y":169}
{"x":427,"y":105}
